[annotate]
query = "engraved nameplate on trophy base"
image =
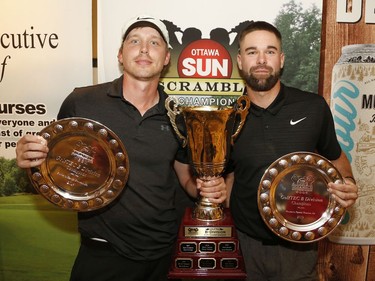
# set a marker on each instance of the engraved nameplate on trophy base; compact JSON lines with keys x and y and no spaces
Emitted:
{"x":207,"y":249}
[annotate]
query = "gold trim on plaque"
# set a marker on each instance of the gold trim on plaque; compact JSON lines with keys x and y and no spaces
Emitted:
{"x":229,"y":261}
{"x":184,"y":263}
{"x":227,"y":247}
{"x":188,"y":247}
{"x":293,"y":197}
{"x":207,"y":247}
{"x":207,"y":263}
{"x":86,"y":168}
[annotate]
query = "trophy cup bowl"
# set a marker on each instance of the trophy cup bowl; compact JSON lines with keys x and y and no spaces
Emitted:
{"x":208,"y":137}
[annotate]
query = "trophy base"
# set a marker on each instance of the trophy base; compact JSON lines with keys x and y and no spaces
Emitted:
{"x":207,"y":249}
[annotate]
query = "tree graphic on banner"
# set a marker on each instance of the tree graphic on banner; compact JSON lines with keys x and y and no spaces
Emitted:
{"x":301,"y":31}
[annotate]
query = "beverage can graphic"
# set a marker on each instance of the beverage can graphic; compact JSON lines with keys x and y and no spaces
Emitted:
{"x":353,"y":108}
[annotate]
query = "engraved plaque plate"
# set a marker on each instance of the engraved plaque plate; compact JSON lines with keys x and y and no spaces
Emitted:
{"x":226,"y":263}
{"x":293,"y":199}
{"x":184,"y":263}
{"x":87,"y":166}
{"x":188,"y":247}
{"x":207,"y":247}
{"x":207,"y":263}
{"x":227,"y":247}
{"x":211,"y":231}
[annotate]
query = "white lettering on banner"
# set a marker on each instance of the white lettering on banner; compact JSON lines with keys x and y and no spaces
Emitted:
{"x":205,"y":100}
{"x":205,"y":52}
{"x":205,"y":67}
{"x":351,"y":11}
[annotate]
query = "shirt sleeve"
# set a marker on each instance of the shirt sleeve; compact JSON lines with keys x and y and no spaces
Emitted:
{"x":67,"y":108}
{"x":182,"y":155}
{"x":328,"y":144}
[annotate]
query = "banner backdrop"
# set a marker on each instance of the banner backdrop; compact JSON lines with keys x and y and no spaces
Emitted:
{"x":45,"y":51}
{"x":203,"y":68}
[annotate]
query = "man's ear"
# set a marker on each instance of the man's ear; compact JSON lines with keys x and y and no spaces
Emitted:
{"x":239,"y":63}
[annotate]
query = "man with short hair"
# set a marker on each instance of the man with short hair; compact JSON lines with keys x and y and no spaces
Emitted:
{"x":132,"y":238}
{"x":281,"y":120}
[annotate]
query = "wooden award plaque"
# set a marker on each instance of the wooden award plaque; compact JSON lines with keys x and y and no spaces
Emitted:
{"x":207,"y":249}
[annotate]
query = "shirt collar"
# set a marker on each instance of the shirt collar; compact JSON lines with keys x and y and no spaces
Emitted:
{"x":116,"y":91}
{"x":273,"y":108}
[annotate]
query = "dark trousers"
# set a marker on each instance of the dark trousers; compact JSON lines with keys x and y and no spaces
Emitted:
{"x":98,"y":261}
{"x":284,"y":262}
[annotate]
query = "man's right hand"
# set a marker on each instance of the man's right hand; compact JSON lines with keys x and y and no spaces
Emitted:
{"x":31,"y":151}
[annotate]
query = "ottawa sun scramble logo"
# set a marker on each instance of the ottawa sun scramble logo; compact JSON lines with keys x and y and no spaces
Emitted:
{"x":205,"y":58}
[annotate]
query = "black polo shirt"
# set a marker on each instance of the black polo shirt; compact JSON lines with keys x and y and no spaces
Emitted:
{"x":142,"y":223}
{"x":295,"y":121}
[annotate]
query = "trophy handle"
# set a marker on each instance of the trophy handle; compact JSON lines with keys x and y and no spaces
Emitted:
{"x":242,"y":108}
{"x":172,"y":108}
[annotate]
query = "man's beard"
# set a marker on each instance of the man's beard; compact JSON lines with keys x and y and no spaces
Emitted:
{"x":263,"y":84}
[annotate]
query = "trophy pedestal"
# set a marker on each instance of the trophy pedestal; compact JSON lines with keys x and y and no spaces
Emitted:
{"x":207,"y":249}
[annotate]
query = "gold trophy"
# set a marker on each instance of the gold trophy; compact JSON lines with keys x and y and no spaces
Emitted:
{"x":207,"y":245}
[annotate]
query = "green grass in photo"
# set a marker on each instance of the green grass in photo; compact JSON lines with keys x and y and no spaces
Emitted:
{"x":38,"y":241}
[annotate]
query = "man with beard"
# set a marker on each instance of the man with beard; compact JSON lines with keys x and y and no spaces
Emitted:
{"x":281,"y":120}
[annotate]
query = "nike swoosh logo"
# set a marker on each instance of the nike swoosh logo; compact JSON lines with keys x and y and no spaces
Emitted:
{"x":297,"y":121}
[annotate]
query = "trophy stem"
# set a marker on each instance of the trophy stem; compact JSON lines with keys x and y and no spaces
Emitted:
{"x":207,"y":211}
{"x":204,"y":209}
